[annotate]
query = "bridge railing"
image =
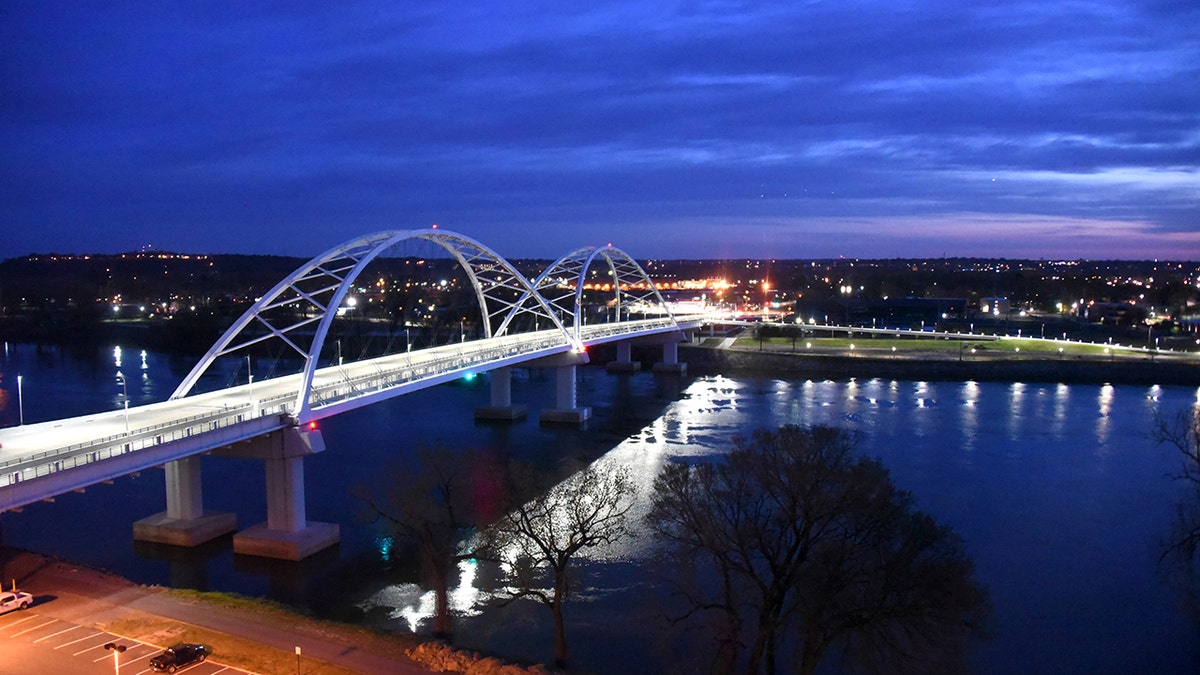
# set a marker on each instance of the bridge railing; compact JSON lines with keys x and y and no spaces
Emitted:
{"x":389,"y":371}
{"x":603,"y":330}
{"x":79,"y":454}
{"x":392,"y":371}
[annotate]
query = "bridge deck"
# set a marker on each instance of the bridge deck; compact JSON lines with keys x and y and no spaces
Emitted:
{"x":84,"y":450}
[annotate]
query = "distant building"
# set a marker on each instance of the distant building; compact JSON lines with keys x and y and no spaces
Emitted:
{"x":995,"y":307}
{"x":1115,"y":313}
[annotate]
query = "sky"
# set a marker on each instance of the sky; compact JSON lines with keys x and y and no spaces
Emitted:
{"x":1015,"y":129}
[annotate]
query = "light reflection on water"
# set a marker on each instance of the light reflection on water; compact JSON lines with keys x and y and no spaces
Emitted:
{"x":1103,"y":425}
{"x":1054,"y":488}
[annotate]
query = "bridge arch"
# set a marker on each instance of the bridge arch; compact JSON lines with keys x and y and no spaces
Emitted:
{"x":562,"y":285}
{"x":313,"y":293}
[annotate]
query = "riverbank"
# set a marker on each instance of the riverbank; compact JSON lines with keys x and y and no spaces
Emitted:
{"x":246,"y":634}
{"x":916,"y":364}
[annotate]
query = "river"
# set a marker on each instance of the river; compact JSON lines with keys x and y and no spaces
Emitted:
{"x":1057,"y":491}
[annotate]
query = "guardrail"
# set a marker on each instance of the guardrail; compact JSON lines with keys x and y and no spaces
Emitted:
{"x":73,"y":456}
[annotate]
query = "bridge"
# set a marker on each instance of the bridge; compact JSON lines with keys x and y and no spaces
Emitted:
{"x":547,"y":321}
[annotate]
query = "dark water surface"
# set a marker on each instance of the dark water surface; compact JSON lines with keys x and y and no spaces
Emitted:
{"x":1056,"y":490}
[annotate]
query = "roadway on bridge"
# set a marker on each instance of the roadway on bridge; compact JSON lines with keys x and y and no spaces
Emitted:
{"x":37,"y":449}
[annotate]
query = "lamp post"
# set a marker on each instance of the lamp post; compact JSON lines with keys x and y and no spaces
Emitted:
{"x":125,"y":396}
{"x":20,"y":403}
{"x":116,"y":649}
{"x":250,"y":385}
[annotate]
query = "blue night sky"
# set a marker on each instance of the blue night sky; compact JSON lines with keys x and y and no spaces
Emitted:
{"x":1023,"y":129}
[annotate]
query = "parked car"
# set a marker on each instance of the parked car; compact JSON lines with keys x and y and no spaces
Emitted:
{"x":14,"y":599}
{"x":178,"y":656}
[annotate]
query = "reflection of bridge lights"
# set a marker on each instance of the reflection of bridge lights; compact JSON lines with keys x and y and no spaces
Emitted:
{"x":386,"y":544}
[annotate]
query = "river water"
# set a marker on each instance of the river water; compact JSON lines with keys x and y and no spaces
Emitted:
{"x":1059,"y":495}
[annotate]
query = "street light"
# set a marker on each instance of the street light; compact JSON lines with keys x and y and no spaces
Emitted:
{"x":116,"y":649}
{"x":250,"y":386}
{"x":125,"y":396}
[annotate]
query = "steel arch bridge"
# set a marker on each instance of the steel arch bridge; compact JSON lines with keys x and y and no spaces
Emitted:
{"x":508,"y":303}
{"x":588,"y":296}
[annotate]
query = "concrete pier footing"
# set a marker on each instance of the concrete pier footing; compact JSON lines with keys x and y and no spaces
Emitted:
{"x":287,"y":534}
{"x":185,"y":522}
{"x":565,"y":410}
{"x":501,"y":407}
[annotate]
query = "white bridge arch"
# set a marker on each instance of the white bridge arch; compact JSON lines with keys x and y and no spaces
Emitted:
{"x":299,"y":310}
{"x":547,"y":321}
{"x":563,"y":283}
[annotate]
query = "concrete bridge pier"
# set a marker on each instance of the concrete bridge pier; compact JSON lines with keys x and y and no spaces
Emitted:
{"x":671,"y":362}
{"x":502,"y":407}
{"x":624,"y":362}
{"x":565,"y":410}
{"x":287,"y":534}
{"x":185,"y":522}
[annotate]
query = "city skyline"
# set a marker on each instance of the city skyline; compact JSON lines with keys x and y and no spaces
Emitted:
{"x":690,"y":130}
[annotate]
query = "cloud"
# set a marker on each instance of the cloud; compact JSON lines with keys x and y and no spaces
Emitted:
{"x":193,"y":120}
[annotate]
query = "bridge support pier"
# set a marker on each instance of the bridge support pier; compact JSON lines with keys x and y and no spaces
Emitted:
{"x":565,"y":410}
{"x":670,"y":362}
{"x":624,"y":362}
{"x":287,"y":534}
{"x":502,"y":407}
{"x":184,"y":523}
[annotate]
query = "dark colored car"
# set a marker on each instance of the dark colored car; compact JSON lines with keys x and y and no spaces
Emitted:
{"x":179,"y":656}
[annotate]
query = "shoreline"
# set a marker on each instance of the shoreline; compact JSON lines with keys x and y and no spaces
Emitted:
{"x":252,"y":635}
{"x":926,"y":365}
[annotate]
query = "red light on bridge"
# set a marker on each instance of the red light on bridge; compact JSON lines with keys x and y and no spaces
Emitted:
{"x":312,"y":426}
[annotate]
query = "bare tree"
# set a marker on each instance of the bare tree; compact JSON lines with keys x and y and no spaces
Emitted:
{"x":432,"y":506}
{"x":808,"y":549}
{"x":542,"y":532}
{"x":1180,"y":558}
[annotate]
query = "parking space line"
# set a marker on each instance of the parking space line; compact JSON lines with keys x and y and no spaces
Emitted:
{"x":68,"y":644}
{"x":65,"y":630}
{"x":30,"y":630}
{"x":98,"y":645}
{"x":21,"y":621}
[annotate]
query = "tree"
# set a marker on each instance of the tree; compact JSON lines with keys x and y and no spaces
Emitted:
{"x":803,"y":549}
{"x":1180,"y":557}
{"x":543,"y":530}
{"x":435,"y":506}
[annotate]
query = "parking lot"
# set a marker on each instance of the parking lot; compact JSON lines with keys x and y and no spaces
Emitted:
{"x":31,"y":642}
